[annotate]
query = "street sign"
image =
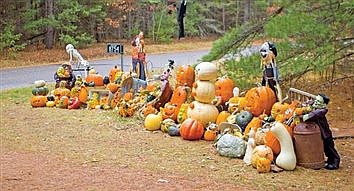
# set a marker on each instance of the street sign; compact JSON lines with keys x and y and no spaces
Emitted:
{"x":115,"y":48}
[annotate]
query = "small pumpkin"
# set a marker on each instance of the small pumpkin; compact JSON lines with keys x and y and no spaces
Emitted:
{"x":224,"y":87}
{"x":259,"y":100}
{"x":38,"y":101}
{"x":236,"y":103}
{"x":206,"y":71}
{"x":96,"y":78}
{"x":179,"y":95}
{"x":153,"y":122}
{"x":112,"y":87}
{"x":191,"y":129}
{"x":170,"y":111}
{"x":243,"y":118}
{"x":279,"y":108}
{"x":210,"y":135}
{"x":173,"y":130}
{"x":62,"y":90}
{"x":182,"y":113}
{"x":50,"y":104}
{"x":261,"y":151}
{"x":185,"y":76}
{"x":63,"y":102}
{"x":263,"y":165}
{"x":222,"y":117}
{"x":83,"y":94}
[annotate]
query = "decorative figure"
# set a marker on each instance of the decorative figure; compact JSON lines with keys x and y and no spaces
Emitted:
{"x":65,"y":73}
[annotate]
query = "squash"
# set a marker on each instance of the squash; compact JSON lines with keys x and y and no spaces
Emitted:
{"x":259,"y":136}
{"x":254,"y":124}
{"x":261,"y":151}
{"x":263,"y":165}
{"x":236,"y":103}
{"x":210,"y":134}
{"x":202,"y":112}
{"x":191,"y":129}
{"x":243,"y":118}
{"x":286,"y":158}
{"x":203,"y":91}
{"x":50,"y":104}
{"x":74,"y":103}
{"x":153,"y":122}
{"x":251,"y":144}
{"x":170,"y":111}
{"x":38,"y":101}
{"x":259,"y":100}
{"x":222,"y":117}
{"x":40,"y":91}
{"x":96,"y":78}
{"x":224,"y":87}
{"x":62,"y":90}
{"x":173,"y":130}
{"x":147,"y":109}
{"x":63,"y":102}
{"x":39,"y":83}
{"x":166,"y":123}
{"x":112,"y":73}
{"x":113,"y":87}
{"x":278,"y":108}
{"x":185,"y":76}
{"x":271,"y":141}
{"x":182,"y":113}
{"x":206,"y":71}
{"x":180,"y":95}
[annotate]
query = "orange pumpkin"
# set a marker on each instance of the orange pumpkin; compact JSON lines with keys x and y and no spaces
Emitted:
{"x":210,"y":135}
{"x":271,"y":141}
{"x":191,"y":129}
{"x":261,"y":151}
{"x":254,"y":124}
{"x":179,"y":96}
{"x":237,"y":103}
{"x":263,"y":165}
{"x":61,"y":90}
{"x":112,"y":73}
{"x":129,"y":95}
{"x":96,"y":78}
{"x":278,"y":108}
{"x":224,"y":87}
{"x":112,"y":87}
{"x":291,"y":109}
{"x":259,"y":100}
{"x":38,"y":101}
{"x":148,"y":109}
{"x":185,"y":76}
{"x":170,"y":111}
{"x":83,"y":94}
{"x":222,"y":117}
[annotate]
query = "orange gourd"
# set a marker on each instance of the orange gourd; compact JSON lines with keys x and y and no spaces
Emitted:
{"x":112,"y":73}
{"x":170,"y":111}
{"x":96,"y":78}
{"x":210,"y":135}
{"x":224,"y":87}
{"x":259,"y":100}
{"x":185,"y":76}
{"x":237,"y":103}
{"x":112,"y":87}
{"x":263,"y":165}
{"x":83,"y":94}
{"x":254,"y":124}
{"x":271,"y":141}
{"x":261,"y":151}
{"x":191,"y":129}
{"x":278,"y":108}
{"x":61,"y":90}
{"x":179,"y":95}
{"x":38,"y":101}
{"x":222,"y":117}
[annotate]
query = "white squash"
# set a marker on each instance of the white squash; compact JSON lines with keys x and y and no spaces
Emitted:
{"x":286,"y":158}
{"x":206,"y":71}
{"x":39,"y":83}
{"x":203,"y":112}
{"x":203,"y":91}
{"x":251,"y":144}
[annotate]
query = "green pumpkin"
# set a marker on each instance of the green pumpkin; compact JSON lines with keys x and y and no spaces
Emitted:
{"x":243,"y":118}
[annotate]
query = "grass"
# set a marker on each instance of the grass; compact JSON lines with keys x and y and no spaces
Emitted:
{"x":103,"y":138}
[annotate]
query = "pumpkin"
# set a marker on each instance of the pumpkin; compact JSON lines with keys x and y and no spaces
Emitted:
{"x":83,"y":94}
{"x":261,"y":151}
{"x":206,"y":71}
{"x":129,"y":95}
{"x":96,"y":78}
{"x":61,"y":90}
{"x":271,"y":141}
{"x":50,"y":104}
{"x":210,"y":135}
{"x":153,"y":122}
{"x":243,"y":118}
{"x":39,"y":83}
{"x":224,"y":87}
{"x":263,"y":165}
{"x":147,"y":109}
{"x":38,"y":101}
{"x":112,"y":87}
{"x":179,"y":95}
{"x":173,"y":130}
{"x":286,"y":158}
{"x":278,"y":108}
{"x":170,"y":111}
{"x":222,"y":117}
{"x":112,"y":73}
{"x":291,"y":109}
{"x":185,"y":76}
{"x":63,"y":102}
{"x":202,"y":112}
{"x":254,"y":124}
{"x":259,"y":136}
{"x":191,"y":129}
{"x":203,"y":91}
{"x":182,"y":113}
{"x":166,"y":123}
{"x":40,"y":91}
{"x":236,"y":103}
{"x":259,"y":100}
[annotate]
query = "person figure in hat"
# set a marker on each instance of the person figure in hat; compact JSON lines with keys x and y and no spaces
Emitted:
{"x":318,"y":115}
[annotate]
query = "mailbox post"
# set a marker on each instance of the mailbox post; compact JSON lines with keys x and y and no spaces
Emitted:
{"x":116,"y":48}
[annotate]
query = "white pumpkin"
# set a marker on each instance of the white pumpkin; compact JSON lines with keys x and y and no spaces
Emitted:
{"x":286,"y":158}
{"x":203,"y":112}
{"x":203,"y":91}
{"x":206,"y":71}
{"x":39,"y":83}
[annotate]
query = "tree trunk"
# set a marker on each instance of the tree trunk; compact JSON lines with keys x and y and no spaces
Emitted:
{"x":247,"y":11}
{"x":49,"y":37}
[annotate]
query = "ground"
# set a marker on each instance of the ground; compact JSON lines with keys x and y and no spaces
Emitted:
{"x":58,"y":149}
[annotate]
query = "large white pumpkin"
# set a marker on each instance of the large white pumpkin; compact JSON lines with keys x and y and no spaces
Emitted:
{"x":203,"y":112}
{"x":203,"y":91}
{"x":206,"y":71}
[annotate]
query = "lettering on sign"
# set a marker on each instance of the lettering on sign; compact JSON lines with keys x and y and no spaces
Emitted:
{"x":115,"y":48}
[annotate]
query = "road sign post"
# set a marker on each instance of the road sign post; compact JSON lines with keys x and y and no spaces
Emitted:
{"x":116,"y":48}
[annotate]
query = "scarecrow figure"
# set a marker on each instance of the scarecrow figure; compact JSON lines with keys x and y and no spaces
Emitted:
{"x":268,"y":52}
{"x":65,"y":73}
{"x":318,"y":115}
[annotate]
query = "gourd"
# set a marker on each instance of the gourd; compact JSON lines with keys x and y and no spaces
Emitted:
{"x":166,"y":123}
{"x":286,"y":159}
{"x":112,"y":87}
{"x":231,"y":146}
{"x":182,"y":113}
{"x":271,"y":141}
{"x":261,"y":151}
{"x":83,"y":94}
{"x":74,"y":103}
{"x":206,"y":71}
{"x":38,"y":101}
{"x":243,"y":118}
{"x":185,"y":76}
{"x":39,"y":83}
{"x":202,"y":112}
{"x":263,"y":165}
{"x":254,"y":124}
{"x":259,"y":100}
{"x":191,"y":129}
{"x":173,"y":130}
{"x":259,"y":136}
{"x":50,"y":104}
{"x":112,"y":73}
{"x":170,"y":111}
{"x":222,"y":117}
{"x":251,"y":144}
{"x":224,"y":87}
{"x":236,"y":103}
{"x":153,"y":122}
{"x":279,"y":108}
{"x":203,"y":91}
{"x":210,"y":134}
{"x":62,"y":90}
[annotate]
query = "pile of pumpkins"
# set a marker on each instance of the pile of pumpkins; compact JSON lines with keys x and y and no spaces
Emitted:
{"x":255,"y":124}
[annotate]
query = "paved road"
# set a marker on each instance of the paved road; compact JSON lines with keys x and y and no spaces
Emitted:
{"x":23,"y":77}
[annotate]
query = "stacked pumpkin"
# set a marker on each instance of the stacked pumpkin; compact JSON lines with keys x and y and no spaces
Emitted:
{"x":201,"y":111}
{"x":39,"y":94}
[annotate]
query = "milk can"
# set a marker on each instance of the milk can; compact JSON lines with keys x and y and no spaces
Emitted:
{"x":308,"y":145}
